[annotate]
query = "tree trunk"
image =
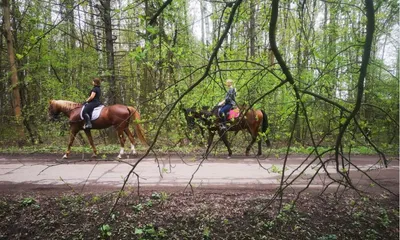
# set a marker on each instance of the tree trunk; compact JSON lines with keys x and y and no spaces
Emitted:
{"x":96,"y":35}
{"x":202,"y":15}
{"x":252,"y":29}
{"x":111,"y":97}
{"x":299,"y":134}
{"x":70,"y":17}
{"x":147,"y":81}
{"x":16,"y":98}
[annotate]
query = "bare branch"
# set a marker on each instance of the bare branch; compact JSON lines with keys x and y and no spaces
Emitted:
{"x":361,"y":78}
{"x":205,"y":74}
{"x":158,"y":13}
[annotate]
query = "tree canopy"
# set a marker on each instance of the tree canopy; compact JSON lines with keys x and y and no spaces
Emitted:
{"x":326,"y":72}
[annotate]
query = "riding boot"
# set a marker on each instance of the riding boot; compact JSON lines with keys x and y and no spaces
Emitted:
{"x":88,"y":123}
{"x":223,"y":123}
{"x":223,"y":126}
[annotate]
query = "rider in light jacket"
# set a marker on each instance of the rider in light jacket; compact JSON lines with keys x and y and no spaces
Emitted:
{"x":227,"y":103}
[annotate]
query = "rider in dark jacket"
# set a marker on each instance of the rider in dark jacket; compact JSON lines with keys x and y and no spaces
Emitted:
{"x":227,"y":103}
{"x":92,"y":102}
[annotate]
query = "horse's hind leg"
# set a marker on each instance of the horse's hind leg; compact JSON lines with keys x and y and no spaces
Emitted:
{"x":131,"y":139}
{"x":253,"y":139}
{"x":90,"y":138}
{"x":259,"y":148}
{"x":253,"y":133}
{"x":121,"y":141}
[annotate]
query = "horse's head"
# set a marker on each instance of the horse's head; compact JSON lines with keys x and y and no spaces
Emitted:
{"x":190,"y":115}
{"x":53,"y":111}
{"x":61,"y":106}
{"x":204,"y":117}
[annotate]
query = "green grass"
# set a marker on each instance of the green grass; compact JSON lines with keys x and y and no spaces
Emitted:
{"x":187,"y":149}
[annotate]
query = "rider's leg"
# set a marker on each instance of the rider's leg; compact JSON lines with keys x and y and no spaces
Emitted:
{"x":88,"y":123}
{"x":224,"y":115}
{"x":86,"y":115}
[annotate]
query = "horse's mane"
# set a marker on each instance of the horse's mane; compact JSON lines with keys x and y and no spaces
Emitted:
{"x":65,"y":105}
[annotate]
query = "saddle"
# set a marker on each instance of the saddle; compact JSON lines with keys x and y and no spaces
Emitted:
{"x":95,"y":114}
{"x":233,"y":113}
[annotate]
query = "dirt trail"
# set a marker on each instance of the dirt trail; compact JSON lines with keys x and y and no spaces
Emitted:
{"x":19,"y":172}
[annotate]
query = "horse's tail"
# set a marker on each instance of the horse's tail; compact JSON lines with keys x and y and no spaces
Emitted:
{"x":264,"y":127}
{"x":135,"y":118}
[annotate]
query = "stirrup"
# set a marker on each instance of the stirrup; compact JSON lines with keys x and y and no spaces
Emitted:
{"x":222,"y":127}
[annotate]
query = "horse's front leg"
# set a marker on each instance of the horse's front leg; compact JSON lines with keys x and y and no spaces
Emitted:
{"x":223,"y":136}
{"x":89,"y":136}
{"x":209,"y":142}
{"x":122,"y":142}
{"x":72,"y":136}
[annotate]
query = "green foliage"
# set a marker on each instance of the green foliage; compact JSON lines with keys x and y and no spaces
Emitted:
{"x":105,"y":231}
{"x":162,"y":196}
{"x":208,"y":216}
{"x":28,"y":201}
{"x":275,"y":169}
{"x":95,"y":199}
{"x":148,"y":232}
{"x":156,"y":64}
{"x":149,"y":203}
{"x":384,"y":218}
{"x":206,"y":233}
{"x":138,"y":207}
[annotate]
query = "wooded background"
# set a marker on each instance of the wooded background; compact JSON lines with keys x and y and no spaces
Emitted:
{"x":152,"y":53}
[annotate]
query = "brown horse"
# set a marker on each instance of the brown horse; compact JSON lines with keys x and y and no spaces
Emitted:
{"x":116,"y":115}
{"x":250,"y":120}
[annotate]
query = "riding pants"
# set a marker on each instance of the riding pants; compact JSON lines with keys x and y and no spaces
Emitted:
{"x":89,"y":107}
{"x":224,"y":111}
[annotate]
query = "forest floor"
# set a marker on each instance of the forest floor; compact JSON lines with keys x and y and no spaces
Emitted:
{"x":41,"y":209}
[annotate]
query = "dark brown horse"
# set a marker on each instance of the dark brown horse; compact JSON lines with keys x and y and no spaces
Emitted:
{"x":116,"y":115}
{"x":249,"y":119}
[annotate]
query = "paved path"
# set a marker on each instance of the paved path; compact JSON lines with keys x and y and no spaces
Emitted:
{"x":239,"y":172}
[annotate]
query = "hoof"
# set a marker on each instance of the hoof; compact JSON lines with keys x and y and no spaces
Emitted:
{"x":228,"y":157}
{"x":65,"y":156}
{"x":119,"y":156}
{"x":94,"y":156}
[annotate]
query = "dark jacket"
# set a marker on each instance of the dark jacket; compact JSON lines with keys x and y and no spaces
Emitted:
{"x":96,"y":98}
{"x":95,"y":102}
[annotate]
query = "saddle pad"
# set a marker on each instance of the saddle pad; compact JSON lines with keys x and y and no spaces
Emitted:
{"x":96,"y":112}
{"x":233,"y":113}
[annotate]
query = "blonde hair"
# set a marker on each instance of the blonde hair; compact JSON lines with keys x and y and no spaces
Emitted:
{"x":229,"y":81}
